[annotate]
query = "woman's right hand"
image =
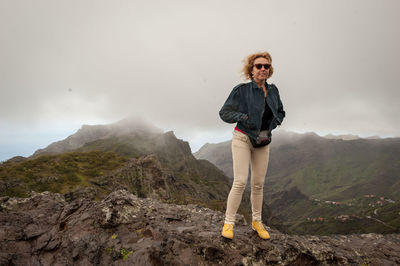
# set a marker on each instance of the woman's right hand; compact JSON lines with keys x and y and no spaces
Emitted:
{"x":247,"y":123}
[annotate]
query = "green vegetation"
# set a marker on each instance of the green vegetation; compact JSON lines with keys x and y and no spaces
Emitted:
{"x":359,"y":215}
{"x":125,"y":253}
{"x":339,"y":178}
{"x":56,"y":173}
{"x":336,"y":171}
{"x":188,"y":180}
{"x":159,"y":166}
{"x":109,"y":250}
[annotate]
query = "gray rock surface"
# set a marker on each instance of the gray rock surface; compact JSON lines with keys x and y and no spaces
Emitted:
{"x":122,"y":229}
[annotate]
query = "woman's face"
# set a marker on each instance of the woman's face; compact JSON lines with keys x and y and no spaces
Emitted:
{"x":260,"y":74}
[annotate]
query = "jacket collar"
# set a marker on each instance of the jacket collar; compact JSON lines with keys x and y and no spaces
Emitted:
{"x":255,"y":86}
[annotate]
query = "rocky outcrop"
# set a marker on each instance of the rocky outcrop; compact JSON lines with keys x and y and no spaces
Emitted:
{"x":146,"y":177}
{"x":122,"y":229}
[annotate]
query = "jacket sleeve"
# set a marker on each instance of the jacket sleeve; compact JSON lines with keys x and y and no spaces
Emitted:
{"x":230,"y":110}
{"x":281,"y":112}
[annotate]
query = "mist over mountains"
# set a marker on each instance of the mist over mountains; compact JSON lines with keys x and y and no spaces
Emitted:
{"x":313,"y":182}
{"x":88,"y":133}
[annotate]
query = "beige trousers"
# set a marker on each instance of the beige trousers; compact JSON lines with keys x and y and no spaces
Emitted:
{"x":243,"y":153}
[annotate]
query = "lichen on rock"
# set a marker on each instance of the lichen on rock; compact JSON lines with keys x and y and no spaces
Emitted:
{"x":123,"y":229}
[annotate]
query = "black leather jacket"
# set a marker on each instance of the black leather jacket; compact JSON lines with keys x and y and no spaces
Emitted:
{"x":248,"y":99}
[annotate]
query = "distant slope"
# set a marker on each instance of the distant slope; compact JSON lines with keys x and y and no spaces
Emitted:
{"x":324,"y":168}
{"x":219,"y":154}
{"x":327,"y":170}
{"x":336,"y":169}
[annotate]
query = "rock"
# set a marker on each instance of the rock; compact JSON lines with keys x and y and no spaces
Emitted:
{"x":123,"y":229}
{"x":81,"y":192}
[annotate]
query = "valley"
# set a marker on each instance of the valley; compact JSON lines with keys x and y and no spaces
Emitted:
{"x":318,"y":185}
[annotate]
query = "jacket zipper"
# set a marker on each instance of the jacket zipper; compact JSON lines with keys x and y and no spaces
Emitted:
{"x":262,"y":114}
{"x":275,"y":116}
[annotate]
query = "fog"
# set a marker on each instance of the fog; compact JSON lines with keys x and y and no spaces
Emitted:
{"x":173,"y":63}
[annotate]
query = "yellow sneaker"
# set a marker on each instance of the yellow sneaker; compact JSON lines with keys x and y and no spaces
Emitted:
{"x":227,"y":231}
{"x":258,"y":226}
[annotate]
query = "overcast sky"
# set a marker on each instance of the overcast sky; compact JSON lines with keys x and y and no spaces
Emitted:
{"x":68,"y":63}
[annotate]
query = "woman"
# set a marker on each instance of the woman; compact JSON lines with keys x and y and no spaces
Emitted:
{"x":257,"y":109}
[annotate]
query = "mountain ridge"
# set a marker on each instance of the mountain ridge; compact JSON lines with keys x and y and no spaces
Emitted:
{"x":88,"y":133}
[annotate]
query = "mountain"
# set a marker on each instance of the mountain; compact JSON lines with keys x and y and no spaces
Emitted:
{"x":97,"y":160}
{"x":88,"y":133}
{"x":342,"y":137}
{"x":348,"y":137}
{"x":220,"y":154}
{"x":326,"y":179}
{"x":122,"y":229}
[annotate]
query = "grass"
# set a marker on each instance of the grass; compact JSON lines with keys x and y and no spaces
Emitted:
{"x":56,"y":173}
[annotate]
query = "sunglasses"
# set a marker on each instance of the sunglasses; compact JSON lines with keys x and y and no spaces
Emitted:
{"x":259,"y":66}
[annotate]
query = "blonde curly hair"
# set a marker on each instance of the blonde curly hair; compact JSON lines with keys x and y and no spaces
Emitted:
{"x":249,"y":64}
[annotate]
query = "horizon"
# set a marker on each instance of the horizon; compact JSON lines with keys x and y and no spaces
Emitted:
{"x":195,"y":144}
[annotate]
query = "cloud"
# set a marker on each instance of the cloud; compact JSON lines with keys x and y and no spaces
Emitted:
{"x":175,"y":63}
